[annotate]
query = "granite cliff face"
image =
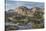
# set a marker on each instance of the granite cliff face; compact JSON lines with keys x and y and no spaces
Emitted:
{"x":27,"y":12}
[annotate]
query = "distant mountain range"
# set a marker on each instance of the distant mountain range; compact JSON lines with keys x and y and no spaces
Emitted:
{"x":21,"y":10}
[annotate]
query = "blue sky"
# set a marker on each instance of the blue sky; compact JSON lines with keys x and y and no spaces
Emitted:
{"x":13,"y":4}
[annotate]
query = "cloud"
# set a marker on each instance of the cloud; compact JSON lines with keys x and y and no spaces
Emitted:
{"x":14,"y":4}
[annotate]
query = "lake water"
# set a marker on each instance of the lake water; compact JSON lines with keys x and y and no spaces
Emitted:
{"x":20,"y":27}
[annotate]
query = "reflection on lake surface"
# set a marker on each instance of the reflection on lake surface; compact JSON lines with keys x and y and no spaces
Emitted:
{"x":13,"y":26}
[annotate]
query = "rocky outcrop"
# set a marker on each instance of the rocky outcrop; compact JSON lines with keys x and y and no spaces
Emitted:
{"x":27,"y":12}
